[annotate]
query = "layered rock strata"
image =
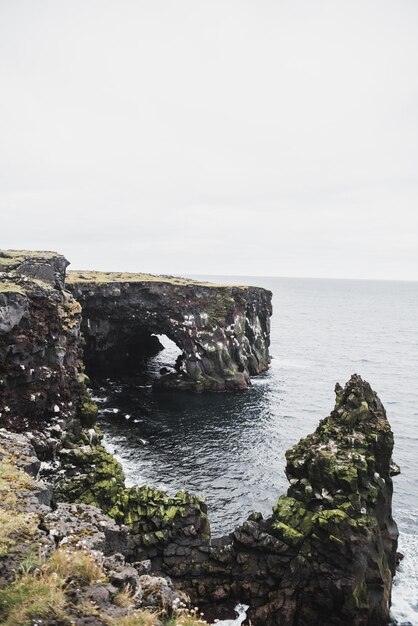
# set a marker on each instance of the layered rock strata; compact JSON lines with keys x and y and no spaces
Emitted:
{"x":223,"y":332}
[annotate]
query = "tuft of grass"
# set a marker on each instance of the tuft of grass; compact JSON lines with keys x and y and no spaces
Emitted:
{"x":124,"y":597}
{"x":88,"y":609}
{"x":12,"y":478}
{"x":30,"y":563}
{"x":40,"y":589}
{"x":186,"y":618}
{"x":139,"y":618}
{"x":14,"y":527}
{"x":76,"y":565}
{"x":31,"y":596}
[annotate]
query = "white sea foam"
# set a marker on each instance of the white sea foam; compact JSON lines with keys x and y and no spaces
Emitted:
{"x":405,"y":586}
{"x":99,"y":399}
{"x":241,"y":611}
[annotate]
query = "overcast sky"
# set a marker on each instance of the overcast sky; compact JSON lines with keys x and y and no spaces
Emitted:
{"x":262,"y":137}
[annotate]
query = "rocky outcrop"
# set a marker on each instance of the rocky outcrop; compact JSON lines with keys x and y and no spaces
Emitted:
{"x":64,"y":566}
{"x":327,"y":554}
{"x":222,"y":331}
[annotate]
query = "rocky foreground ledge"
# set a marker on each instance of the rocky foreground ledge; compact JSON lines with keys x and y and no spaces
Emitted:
{"x":96,"y":552}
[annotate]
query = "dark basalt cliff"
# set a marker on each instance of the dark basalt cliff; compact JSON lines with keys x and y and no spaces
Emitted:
{"x":326,"y":556}
{"x":222,"y":331}
{"x":41,"y":370}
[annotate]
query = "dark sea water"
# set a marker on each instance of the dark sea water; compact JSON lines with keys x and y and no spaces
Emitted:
{"x":230,"y":447}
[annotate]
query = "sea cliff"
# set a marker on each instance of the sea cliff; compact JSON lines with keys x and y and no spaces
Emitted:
{"x":326,"y":555}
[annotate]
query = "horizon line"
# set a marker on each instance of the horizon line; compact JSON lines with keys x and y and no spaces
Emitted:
{"x":387,"y":280}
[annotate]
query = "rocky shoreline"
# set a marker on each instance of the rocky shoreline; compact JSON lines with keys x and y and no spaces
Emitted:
{"x":325,"y":556}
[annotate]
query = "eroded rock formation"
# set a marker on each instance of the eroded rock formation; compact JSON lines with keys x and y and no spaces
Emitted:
{"x":325,"y":556}
{"x":327,"y":553}
{"x":222,"y":331}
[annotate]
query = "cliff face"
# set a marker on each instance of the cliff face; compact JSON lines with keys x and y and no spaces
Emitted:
{"x":222,"y":331}
{"x":41,"y":379}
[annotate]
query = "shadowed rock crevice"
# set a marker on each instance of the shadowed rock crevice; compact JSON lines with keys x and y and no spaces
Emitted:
{"x":223,"y":332}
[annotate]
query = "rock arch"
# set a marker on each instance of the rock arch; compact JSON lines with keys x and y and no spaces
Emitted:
{"x":222,"y":331}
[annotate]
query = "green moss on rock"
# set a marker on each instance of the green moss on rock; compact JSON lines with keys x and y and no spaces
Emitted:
{"x":93,"y":476}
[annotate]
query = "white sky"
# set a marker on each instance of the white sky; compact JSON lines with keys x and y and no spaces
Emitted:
{"x":262,"y":137}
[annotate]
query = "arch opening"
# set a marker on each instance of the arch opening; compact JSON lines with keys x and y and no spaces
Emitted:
{"x":114,"y":350}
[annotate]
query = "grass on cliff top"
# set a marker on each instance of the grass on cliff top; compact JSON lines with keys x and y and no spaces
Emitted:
{"x":85,"y":277}
{"x":11,"y":259}
{"x":23,"y":285}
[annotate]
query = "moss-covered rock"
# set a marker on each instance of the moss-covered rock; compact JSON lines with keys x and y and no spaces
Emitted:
{"x":327,"y":554}
{"x":90,"y":475}
{"x":337,"y":513}
{"x":155,"y":519}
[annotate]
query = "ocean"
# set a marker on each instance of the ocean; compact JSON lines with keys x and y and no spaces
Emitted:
{"x":230,"y":447}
